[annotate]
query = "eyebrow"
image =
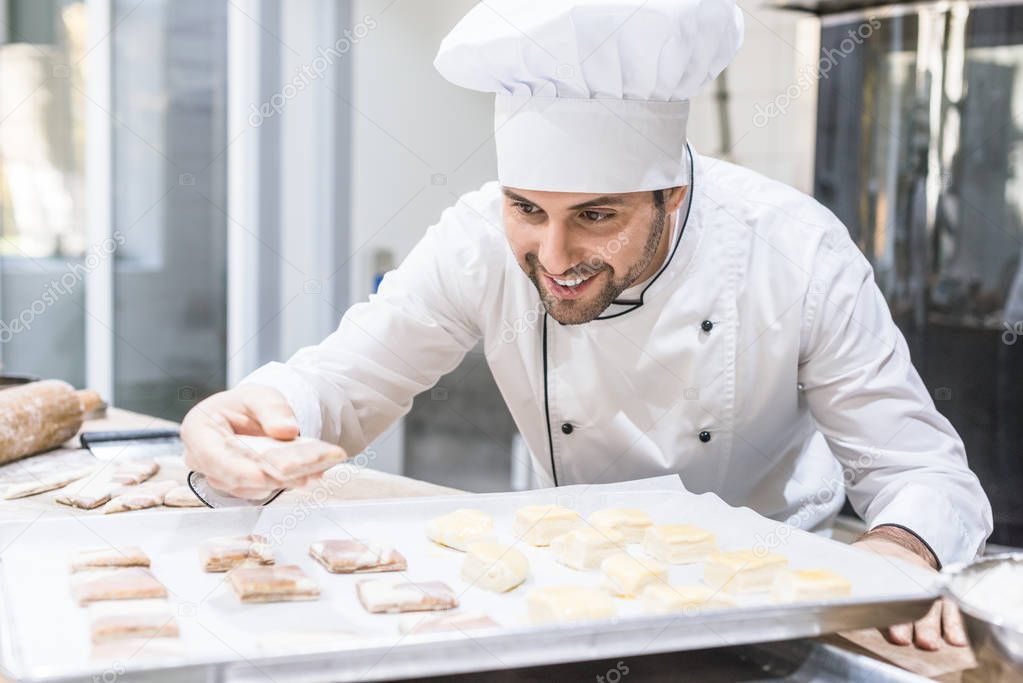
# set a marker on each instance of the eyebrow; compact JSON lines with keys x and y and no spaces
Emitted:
{"x":603,"y":200}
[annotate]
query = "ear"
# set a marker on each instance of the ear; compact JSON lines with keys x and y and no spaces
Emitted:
{"x":674,"y":198}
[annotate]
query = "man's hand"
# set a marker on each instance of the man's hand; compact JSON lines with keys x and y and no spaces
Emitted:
{"x":209,"y":430}
{"x":943,"y":619}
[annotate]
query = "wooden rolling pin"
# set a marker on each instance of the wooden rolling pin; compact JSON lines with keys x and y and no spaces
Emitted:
{"x":42,"y":415}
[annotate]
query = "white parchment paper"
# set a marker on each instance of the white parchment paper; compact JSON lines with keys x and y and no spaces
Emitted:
{"x":46,"y":634}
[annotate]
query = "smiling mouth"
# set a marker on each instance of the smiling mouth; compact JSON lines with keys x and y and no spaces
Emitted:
{"x":571,"y":287}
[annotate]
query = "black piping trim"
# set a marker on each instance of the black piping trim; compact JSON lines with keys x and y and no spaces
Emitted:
{"x":546,"y":403}
{"x":918,"y":537}
{"x":188,"y":480}
{"x":678,"y":241}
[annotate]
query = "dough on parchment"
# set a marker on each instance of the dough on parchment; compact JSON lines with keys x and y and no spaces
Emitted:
{"x":540,"y":524}
{"x":221,"y":553}
{"x":460,"y":528}
{"x":352,"y":556}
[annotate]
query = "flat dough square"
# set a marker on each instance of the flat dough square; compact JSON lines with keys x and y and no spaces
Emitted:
{"x":134,"y":471}
{"x":124,"y":583}
{"x":138,"y":496}
{"x":538,"y":525}
{"x":632,"y":523}
{"x":283,"y":583}
{"x":625,"y":575}
{"x":132,"y":619}
{"x":803,"y":585}
{"x":352,"y":556}
{"x":87,"y":494}
{"x":100,"y":558}
{"x":460,"y":528}
{"x":678,"y":543}
{"x":284,"y":460}
{"x":586,"y":547}
{"x":660,"y":598}
{"x":387,"y":595}
{"x":221,"y":553}
{"x":182,"y":497}
{"x":414,"y":624}
{"x":494,"y":566}
{"x":554,"y":604}
{"x":743,"y":571}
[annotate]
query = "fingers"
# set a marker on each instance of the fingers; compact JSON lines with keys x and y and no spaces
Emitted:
{"x":927,"y":631}
{"x":271,"y":410}
{"x":952,"y":624}
{"x":205,"y":432}
{"x":900,"y":634}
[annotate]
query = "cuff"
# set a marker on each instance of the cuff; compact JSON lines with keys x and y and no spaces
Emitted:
{"x":301,"y":396}
{"x":931,"y":517}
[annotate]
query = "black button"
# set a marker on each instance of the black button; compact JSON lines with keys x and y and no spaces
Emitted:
{"x":705,"y":436}
{"x":567,"y":428}
{"x":707,"y":326}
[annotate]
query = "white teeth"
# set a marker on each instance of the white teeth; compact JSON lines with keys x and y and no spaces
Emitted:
{"x":572,"y":282}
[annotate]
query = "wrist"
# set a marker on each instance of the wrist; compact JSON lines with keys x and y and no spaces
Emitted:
{"x":906,"y":539}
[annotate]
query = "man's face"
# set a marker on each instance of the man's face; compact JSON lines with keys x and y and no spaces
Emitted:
{"x":583,"y":250}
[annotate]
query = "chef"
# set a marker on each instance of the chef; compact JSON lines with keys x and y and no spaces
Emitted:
{"x":645,"y":310}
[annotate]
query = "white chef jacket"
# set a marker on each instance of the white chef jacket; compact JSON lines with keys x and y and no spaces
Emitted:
{"x":761,"y":364}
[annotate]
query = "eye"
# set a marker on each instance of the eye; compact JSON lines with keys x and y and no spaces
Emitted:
{"x":526,"y":208}
{"x":596,"y":216}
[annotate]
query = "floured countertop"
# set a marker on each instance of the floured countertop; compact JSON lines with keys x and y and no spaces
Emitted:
{"x":349,"y":481}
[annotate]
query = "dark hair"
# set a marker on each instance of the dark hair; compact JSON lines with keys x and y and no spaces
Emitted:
{"x":659,"y":199}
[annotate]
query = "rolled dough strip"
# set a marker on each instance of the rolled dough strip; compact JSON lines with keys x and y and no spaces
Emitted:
{"x":41,"y":483}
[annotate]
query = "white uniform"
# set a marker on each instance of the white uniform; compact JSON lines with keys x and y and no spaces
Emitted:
{"x":762,"y":365}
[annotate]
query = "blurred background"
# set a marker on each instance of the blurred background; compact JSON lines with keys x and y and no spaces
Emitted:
{"x":191,"y":188}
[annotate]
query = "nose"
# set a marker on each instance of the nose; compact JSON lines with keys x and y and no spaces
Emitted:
{"x":555,"y":253}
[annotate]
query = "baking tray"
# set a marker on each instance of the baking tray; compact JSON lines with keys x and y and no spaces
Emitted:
{"x":45,"y":635}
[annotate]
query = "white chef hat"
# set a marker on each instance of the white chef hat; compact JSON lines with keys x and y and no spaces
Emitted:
{"x":592,"y":95}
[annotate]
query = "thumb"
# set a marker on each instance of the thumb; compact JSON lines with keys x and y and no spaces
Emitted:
{"x":271,"y":410}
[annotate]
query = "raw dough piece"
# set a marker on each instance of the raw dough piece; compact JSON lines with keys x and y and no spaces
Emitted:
{"x":625,"y":575}
{"x":678,"y":543}
{"x":494,"y":567}
{"x":387,"y":595}
{"x":134,"y":471}
{"x":466,"y":621}
{"x":629,"y":522}
{"x":124,"y":583}
{"x":742,"y":571}
{"x":802,"y":585}
{"x":460,"y":528}
{"x":87,"y":494}
{"x":43,"y":482}
{"x":348,"y":556}
{"x":283,"y":583}
{"x":96,"y":558}
{"x":182,"y":497}
{"x":132,"y":619}
{"x":138,"y":497}
{"x":660,"y":598}
{"x":539,"y":524}
{"x":284,"y":460}
{"x":587,"y":547}
{"x":553,"y":604}
{"x":138,"y":649}
{"x":221,"y":553}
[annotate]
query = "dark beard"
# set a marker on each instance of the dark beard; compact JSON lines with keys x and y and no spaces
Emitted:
{"x":577,"y":312}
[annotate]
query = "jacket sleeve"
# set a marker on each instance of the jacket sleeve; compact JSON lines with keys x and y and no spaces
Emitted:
{"x":903,"y":462}
{"x":418,"y":326}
